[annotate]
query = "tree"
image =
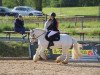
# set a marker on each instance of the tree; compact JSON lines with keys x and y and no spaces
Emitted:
{"x":38,"y":4}
{"x":20,"y":2}
{"x":29,"y":3}
{"x":54,"y":3}
{"x":63,"y":3}
{"x":8,"y":3}
{"x":13,"y":3}
{"x":44,"y":3}
{"x":0,"y":2}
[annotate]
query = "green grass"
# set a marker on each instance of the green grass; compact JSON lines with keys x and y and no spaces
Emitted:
{"x":71,"y":11}
{"x":29,"y":26}
{"x":86,"y":24}
{"x":10,"y":26}
{"x":90,"y":26}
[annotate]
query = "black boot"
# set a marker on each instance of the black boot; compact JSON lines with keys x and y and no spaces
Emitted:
{"x":50,"y":44}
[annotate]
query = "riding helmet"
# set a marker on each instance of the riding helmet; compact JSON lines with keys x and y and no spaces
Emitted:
{"x":53,"y":14}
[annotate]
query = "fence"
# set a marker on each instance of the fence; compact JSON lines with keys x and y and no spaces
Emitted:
{"x":89,"y":25}
{"x":19,"y":50}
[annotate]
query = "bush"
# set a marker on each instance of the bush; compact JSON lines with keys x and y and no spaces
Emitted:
{"x":1,"y":30}
{"x":13,"y":49}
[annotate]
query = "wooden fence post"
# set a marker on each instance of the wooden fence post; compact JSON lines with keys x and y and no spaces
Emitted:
{"x":82,"y":25}
{"x":75,"y":20}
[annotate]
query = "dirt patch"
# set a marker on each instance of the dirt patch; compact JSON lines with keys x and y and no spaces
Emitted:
{"x":28,"y":67}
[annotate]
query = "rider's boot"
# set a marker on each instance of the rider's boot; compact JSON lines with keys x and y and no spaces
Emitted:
{"x":50,"y":44}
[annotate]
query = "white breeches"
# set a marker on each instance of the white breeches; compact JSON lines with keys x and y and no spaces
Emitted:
{"x":52,"y":33}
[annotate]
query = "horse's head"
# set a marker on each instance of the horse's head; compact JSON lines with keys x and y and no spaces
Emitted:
{"x":32,"y":36}
{"x":35,"y":33}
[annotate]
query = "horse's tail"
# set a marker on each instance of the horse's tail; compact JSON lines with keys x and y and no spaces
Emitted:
{"x":76,"y":53}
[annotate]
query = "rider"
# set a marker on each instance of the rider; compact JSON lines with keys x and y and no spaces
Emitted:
{"x":51,"y":26}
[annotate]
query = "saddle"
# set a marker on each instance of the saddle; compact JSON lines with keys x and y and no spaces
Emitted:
{"x":55,"y":37}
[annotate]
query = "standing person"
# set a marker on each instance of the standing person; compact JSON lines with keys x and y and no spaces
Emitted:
{"x":51,"y":27}
{"x":19,"y":26}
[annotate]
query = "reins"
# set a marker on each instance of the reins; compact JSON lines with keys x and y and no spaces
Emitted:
{"x":38,"y":36}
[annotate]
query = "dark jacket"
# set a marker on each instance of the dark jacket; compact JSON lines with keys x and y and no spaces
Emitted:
{"x":19,"y":23}
{"x":19,"y":26}
{"x":53,"y":26}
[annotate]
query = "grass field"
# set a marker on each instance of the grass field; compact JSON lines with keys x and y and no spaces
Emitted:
{"x":91,"y":26}
{"x":71,"y":11}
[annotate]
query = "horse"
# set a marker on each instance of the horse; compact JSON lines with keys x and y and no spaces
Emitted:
{"x":65,"y":43}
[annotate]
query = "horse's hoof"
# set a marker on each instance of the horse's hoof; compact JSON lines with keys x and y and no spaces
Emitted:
{"x":35,"y":61}
{"x":45,"y":58}
{"x":57,"y":61}
{"x":65,"y":62}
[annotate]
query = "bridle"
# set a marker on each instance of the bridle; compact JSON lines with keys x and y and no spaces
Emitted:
{"x":34,"y":36}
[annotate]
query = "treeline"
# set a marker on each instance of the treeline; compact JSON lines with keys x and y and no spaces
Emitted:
{"x":38,"y":4}
{"x":73,"y":3}
{"x":13,"y":3}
